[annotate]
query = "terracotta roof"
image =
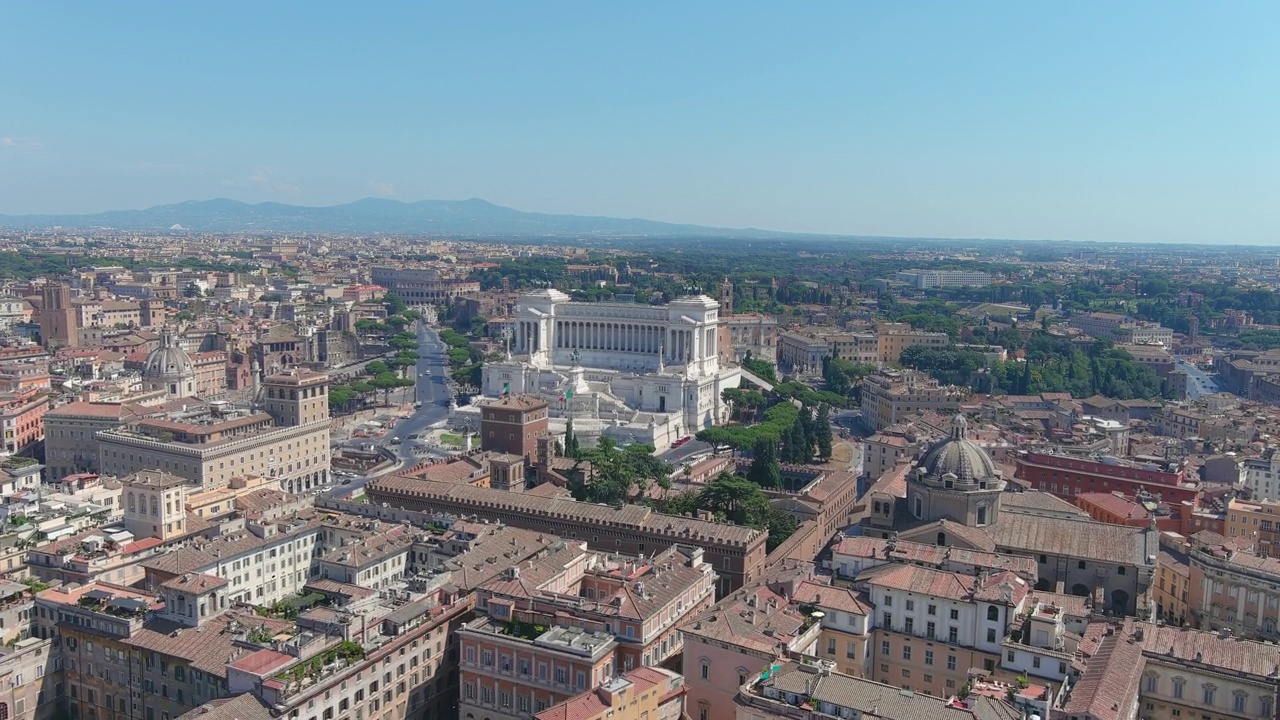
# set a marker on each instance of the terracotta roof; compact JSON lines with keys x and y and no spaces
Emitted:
{"x":1073,"y":606}
{"x":1116,"y":504}
{"x":257,"y":502}
{"x":1108,"y":690}
{"x":341,"y":589}
{"x":755,"y":618}
{"x":1033,"y":501}
{"x":140,"y":545}
{"x":240,"y":707}
{"x":643,"y":593}
{"x":923,"y":581}
{"x":1078,"y":539}
{"x":202,"y":554}
{"x":89,"y":409}
{"x":494,"y":553}
{"x":835,"y":598}
{"x":1185,"y":646}
{"x":449,"y":472}
{"x":550,"y":490}
{"x":207,"y":648}
{"x":194,"y":583}
{"x":957,"y":533}
{"x":518,"y":402}
{"x":263,"y":661}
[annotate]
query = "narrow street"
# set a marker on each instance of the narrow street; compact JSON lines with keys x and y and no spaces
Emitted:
{"x":1198,"y":381}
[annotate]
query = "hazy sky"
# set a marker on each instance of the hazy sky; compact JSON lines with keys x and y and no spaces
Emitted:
{"x":1156,"y":121}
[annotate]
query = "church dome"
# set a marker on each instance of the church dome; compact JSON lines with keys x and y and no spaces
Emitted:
{"x":958,"y":457}
{"x":168,"y":362}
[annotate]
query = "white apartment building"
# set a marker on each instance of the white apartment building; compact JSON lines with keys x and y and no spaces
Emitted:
{"x":925,"y":279}
{"x":1262,"y":476}
{"x":933,"y":627}
{"x":261,"y":565}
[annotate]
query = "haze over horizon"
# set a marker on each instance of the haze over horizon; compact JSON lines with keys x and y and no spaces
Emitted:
{"x":1139,"y":122}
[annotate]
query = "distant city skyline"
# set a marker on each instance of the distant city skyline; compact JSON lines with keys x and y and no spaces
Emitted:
{"x":1143,"y":122}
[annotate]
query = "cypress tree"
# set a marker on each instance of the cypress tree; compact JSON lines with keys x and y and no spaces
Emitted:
{"x":765,"y":471}
{"x":822,"y":428}
{"x":808,"y":435}
{"x":570,"y":440}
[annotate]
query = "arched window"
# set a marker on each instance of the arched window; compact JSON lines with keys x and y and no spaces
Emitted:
{"x":942,"y":538}
{"x":4,"y":711}
{"x":993,"y":612}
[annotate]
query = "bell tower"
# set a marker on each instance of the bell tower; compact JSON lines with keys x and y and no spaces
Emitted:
{"x":726,"y":297}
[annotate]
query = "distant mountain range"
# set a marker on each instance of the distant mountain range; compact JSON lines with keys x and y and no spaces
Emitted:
{"x":473,"y":217}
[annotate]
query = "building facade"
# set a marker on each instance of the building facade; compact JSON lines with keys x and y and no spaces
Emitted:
{"x":525,"y":654}
{"x":1232,"y":588}
{"x":289,"y":443}
{"x":155,"y":505}
{"x":889,"y":396}
{"x":22,"y":417}
{"x":934,"y":627}
{"x":893,"y":338}
{"x":1068,"y":476}
{"x":1121,"y":328}
{"x":753,"y":333}
{"x":70,"y":435}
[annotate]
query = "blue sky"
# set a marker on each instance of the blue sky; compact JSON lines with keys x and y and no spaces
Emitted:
{"x":1144,"y":121}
